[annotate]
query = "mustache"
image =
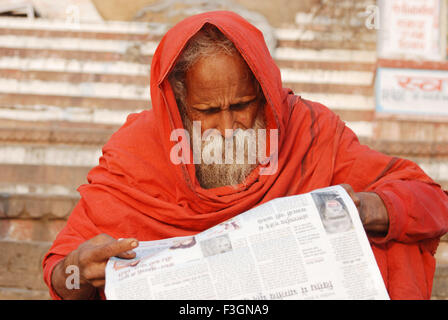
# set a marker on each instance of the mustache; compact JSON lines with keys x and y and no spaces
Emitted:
{"x":238,"y":146}
{"x":228,"y":166}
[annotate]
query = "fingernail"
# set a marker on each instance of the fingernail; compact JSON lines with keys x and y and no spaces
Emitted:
{"x":134,"y":243}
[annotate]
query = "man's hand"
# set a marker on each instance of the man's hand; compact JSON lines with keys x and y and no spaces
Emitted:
{"x":90,"y":258}
{"x":372,"y":211}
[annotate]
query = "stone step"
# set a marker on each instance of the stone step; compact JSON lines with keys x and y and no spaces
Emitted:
{"x":314,"y":33}
{"x":23,"y":294}
{"x":39,"y":177}
{"x":325,"y":65}
{"x":31,"y":229}
{"x":146,"y":48}
{"x":78,"y":78}
{"x":50,"y":155}
{"x":348,"y":43}
{"x":68,"y":89}
{"x":412,"y":129}
{"x":328,"y":55}
{"x":337,"y":101}
{"x":36,"y":206}
{"x":99,"y":67}
{"x":38,"y":31}
{"x":79,"y":55}
{"x":21,"y":264}
{"x":54,"y":132}
{"x":52,"y":102}
{"x":107,"y":27}
{"x":362,"y":129}
{"x":360,"y":78}
{"x":39,"y":189}
{"x":424,"y":149}
{"x":440,"y":285}
{"x":413,"y":64}
{"x":436,"y":168}
{"x":50,"y":112}
{"x":442,"y":252}
{"x":329,"y":88}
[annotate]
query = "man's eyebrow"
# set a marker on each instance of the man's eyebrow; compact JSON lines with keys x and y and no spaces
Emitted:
{"x":245,"y":99}
{"x":204,"y":106}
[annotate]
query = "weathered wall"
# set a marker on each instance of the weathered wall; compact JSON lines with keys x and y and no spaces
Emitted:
{"x":278,"y":12}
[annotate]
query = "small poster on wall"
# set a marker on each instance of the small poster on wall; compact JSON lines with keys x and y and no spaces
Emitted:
{"x":412,"y":29}
{"x":412,"y":91}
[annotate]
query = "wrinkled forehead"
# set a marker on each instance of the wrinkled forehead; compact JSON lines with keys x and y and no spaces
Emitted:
{"x":219,"y":70}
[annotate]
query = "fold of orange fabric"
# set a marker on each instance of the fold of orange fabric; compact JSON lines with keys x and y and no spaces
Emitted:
{"x":136,"y":190}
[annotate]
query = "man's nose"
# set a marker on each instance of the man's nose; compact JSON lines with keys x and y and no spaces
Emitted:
{"x":226,"y":123}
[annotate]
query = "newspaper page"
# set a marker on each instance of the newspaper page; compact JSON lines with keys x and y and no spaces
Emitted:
{"x":309,"y":246}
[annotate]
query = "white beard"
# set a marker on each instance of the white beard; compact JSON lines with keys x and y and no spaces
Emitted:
{"x":227,"y":172}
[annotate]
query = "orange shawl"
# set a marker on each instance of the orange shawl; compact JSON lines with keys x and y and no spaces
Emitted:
{"x":136,"y":191}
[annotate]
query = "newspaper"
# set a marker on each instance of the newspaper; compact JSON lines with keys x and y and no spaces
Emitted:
{"x":309,"y":246}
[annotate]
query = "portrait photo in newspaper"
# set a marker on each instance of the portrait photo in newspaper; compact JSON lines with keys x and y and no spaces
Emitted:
{"x":332,"y":211}
{"x":216,"y":245}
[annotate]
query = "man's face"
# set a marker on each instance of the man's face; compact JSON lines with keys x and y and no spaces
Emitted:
{"x":221,"y":93}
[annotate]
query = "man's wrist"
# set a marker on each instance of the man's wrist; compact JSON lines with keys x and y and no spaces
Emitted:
{"x":84,"y":291}
{"x":375,"y":216}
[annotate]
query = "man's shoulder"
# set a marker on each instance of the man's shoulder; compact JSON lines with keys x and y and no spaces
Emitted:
{"x":141,"y":116}
{"x":138,"y":127}
{"x":315,"y":110}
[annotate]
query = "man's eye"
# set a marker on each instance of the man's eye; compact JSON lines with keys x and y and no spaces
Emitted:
{"x":240,"y":106}
{"x":211,"y":110}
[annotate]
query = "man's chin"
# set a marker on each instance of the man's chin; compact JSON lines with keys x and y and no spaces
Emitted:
{"x":218,"y":175}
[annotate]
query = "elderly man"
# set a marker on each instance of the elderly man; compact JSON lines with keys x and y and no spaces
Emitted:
{"x":214,"y":70}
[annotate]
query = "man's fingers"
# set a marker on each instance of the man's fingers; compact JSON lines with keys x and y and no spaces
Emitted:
{"x":116,"y":247}
{"x":352,"y":194}
{"x":127,"y":255}
{"x":100,"y":283}
{"x":347,"y":188}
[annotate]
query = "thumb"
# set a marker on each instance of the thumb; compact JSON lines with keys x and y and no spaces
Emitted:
{"x":117,"y":247}
{"x":353,"y":195}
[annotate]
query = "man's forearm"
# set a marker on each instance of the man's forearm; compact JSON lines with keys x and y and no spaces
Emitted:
{"x":59,"y":284}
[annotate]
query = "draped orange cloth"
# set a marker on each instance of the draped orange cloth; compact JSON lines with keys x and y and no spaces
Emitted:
{"x":136,"y":191}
